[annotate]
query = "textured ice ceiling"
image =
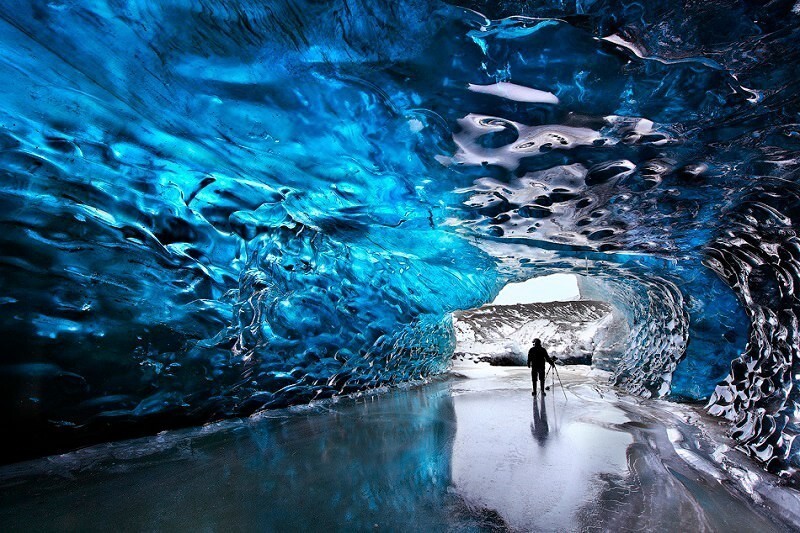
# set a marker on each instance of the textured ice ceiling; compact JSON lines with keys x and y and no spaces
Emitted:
{"x":213,"y":207}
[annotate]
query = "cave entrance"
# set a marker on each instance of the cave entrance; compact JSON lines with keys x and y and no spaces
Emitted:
{"x":571,"y":325}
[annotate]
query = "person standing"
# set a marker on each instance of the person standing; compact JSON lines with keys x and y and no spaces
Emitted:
{"x":537,"y":357}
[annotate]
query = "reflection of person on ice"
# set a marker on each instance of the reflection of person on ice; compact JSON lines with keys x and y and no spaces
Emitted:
{"x":537,"y":357}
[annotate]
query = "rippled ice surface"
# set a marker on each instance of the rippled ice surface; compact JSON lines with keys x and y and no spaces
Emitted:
{"x":471,"y":452}
{"x":209,"y":208}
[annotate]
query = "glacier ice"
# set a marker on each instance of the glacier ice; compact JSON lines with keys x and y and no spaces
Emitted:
{"x":577,"y":332}
{"x":214,"y":207}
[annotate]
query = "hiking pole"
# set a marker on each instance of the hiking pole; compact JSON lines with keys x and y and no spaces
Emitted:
{"x":559,"y":381}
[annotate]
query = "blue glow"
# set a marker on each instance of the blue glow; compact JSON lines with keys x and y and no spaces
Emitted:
{"x":212,"y":208}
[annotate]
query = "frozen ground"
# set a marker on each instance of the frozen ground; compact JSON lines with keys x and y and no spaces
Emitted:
{"x":472,"y":451}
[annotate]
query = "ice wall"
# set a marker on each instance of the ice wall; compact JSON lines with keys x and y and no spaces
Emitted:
{"x":209,"y":209}
{"x":214,"y":207}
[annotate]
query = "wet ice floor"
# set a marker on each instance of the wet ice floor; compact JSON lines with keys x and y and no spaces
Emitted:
{"x":470,"y":452}
{"x":593,"y":459}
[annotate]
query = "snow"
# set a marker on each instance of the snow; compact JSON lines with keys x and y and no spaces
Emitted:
{"x":572,"y":331}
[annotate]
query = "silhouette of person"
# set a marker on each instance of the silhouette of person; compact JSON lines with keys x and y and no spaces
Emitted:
{"x":539,"y":427}
{"x":537,"y":357}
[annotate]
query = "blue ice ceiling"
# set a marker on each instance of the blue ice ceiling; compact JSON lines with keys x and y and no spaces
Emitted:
{"x":210,"y":208}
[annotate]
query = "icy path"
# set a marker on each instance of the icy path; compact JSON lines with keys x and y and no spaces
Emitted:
{"x":469,"y":452}
{"x":600,"y":460}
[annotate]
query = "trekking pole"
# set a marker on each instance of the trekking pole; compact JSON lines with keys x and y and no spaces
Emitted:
{"x":560,"y":382}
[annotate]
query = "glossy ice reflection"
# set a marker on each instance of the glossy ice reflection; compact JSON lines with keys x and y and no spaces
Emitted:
{"x":469,"y":453}
{"x":534,"y":460}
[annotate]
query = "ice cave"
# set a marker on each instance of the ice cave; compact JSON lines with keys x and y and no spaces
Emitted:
{"x":239,"y":237}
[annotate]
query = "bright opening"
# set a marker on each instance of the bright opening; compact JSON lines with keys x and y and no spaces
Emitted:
{"x":572,"y":327}
{"x":554,"y":288}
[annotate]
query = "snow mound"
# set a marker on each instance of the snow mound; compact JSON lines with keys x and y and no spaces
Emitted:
{"x":575,"y":332}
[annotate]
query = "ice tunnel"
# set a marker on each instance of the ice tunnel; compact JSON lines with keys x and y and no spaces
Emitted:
{"x":212,"y":208}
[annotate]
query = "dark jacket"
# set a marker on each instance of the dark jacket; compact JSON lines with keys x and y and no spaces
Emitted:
{"x":537,"y":357}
